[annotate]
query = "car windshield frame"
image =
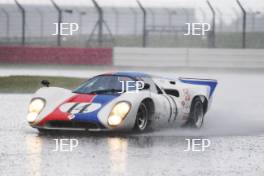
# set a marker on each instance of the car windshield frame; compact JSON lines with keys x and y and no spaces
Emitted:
{"x":101,"y":91}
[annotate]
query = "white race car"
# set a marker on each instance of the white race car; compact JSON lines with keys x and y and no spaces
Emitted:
{"x":115,"y":101}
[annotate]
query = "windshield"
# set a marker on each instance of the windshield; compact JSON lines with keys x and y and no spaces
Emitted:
{"x":106,"y":84}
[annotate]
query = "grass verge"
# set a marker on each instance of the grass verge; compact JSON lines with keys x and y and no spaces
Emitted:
{"x":29,"y":84}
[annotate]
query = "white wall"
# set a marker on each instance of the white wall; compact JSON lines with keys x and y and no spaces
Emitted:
{"x":189,"y":57}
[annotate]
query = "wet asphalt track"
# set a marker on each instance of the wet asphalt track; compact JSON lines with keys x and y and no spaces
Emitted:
{"x":234,"y":125}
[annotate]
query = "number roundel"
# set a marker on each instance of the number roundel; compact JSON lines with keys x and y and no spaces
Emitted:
{"x":74,"y":108}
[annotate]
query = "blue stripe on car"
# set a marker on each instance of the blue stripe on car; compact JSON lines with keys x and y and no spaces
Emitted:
{"x":131,"y":74}
{"x":211,"y":83}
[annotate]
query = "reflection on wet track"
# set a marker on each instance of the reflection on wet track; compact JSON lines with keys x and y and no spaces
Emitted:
{"x":131,"y":154}
{"x":117,"y":154}
{"x":33,"y":160}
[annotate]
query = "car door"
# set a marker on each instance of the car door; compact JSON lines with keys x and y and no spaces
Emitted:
{"x":161,"y":102}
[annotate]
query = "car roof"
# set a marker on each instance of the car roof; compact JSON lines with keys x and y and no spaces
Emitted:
{"x":129,"y":74}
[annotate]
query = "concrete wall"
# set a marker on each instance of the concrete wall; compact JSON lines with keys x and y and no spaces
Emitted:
{"x":145,"y":57}
{"x":56,"y":55}
{"x":189,"y":57}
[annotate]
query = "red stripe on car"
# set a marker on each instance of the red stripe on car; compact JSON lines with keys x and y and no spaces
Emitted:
{"x":57,"y":114}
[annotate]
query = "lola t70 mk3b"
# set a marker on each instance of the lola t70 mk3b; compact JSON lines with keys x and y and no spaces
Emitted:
{"x":100,"y":104}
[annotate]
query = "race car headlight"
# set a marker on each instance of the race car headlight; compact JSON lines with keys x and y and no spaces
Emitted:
{"x":118,"y":113}
{"x":35,"y":107}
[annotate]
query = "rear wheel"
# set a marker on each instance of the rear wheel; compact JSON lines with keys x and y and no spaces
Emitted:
{"x":142,"y":118}
{"x":197,"y":113}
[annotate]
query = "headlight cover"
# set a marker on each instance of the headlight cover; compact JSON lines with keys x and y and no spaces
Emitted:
{"x":118,"y":113}
{"x":35,"y":107}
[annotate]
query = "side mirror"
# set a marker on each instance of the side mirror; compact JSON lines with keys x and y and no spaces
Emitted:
{"x":146,"y":86}
{"x":45,"y":83}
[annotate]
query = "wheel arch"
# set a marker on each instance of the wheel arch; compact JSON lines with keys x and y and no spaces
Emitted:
{"x":150,"y":105}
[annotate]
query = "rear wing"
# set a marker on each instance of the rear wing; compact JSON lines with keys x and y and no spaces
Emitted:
{"x":211,"y":83}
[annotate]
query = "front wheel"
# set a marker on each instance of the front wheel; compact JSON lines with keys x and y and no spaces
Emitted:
{"x":142,"y":118}
{"x":196,"y":117}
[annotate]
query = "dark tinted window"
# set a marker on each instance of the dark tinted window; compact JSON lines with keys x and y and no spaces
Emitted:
{"x":105,"y":84}
{"x":172,"y":92}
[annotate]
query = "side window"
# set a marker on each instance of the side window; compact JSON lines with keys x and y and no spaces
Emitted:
{"x":172,"y":92}
{"x":151,"y":83}
{"x":158,"y":89}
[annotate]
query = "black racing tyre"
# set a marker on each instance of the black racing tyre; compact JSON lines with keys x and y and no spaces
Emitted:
{"x":196,"y":117}
{"x":142,"y":118}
